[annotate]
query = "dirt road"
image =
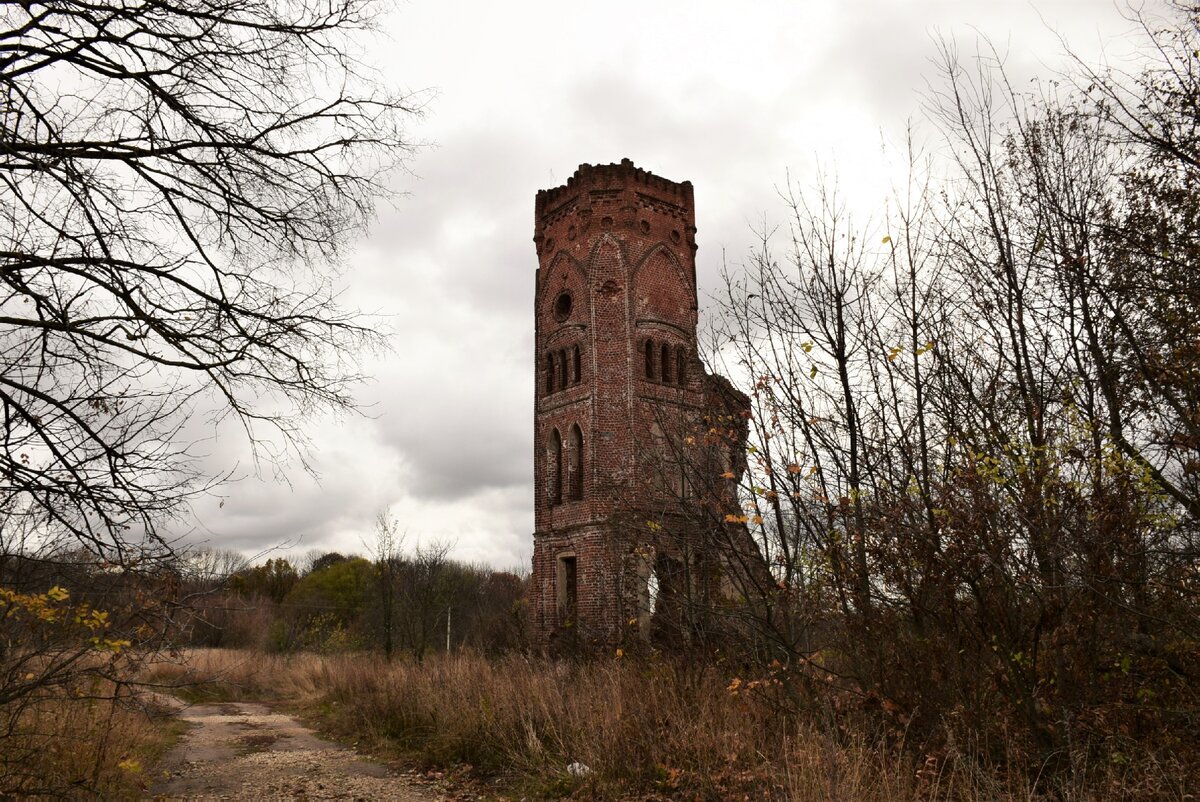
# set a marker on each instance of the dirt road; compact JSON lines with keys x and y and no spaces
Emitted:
{"x":243,"y":750}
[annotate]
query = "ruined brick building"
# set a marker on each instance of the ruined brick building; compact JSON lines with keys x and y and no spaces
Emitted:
{"x":620,"y":398}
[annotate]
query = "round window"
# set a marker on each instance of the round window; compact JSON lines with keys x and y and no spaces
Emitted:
{"x":562,"y":306}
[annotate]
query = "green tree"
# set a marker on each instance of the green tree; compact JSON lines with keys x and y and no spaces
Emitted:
{"x":273,"y":580}
{"x":325,"y":610}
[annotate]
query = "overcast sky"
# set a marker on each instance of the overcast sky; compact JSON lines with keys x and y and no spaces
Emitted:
{"x":733,"y":97}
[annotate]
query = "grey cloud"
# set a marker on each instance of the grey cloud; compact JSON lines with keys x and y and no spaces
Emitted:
{"x":355,"y":478}
{"x":470,"y":436}
{"x":450,"y":269}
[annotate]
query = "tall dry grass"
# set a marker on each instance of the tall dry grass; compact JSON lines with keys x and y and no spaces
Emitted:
{"x":642,"y":728}
{"x":87,"y":740}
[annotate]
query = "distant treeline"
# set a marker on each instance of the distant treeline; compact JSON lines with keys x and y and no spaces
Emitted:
{"x":330,"y":602}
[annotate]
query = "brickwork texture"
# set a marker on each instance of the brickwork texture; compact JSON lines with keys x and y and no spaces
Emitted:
{"x":615,"y":316}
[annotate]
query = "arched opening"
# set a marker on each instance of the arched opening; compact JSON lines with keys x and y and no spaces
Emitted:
{"x":647,"y":590}
{"x":549,"y":373}
{"x":577,"y":367}
{"x":567,"y":583}
{"x":575,"y":469}
{"x":649,"y":359}
{"x":652,"y":591}
{"x":555,"y":467}
{"x":665,"y":362}
{"x":562,"y":369}
{"x":670,"y":602}
{"x":562,"y":306}
{"x":681,"y":366}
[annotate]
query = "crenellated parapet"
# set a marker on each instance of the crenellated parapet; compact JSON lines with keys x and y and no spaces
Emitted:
{"x":614,"y":197}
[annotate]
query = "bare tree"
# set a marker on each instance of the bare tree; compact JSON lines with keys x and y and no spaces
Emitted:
{"x":178,"y":180}
{"x":389,"y":539}
{"x":972,"y":450}
{"x":212,"y":567}
{"x":426,"y":595}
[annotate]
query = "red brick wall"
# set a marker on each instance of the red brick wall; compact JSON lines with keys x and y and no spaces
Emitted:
{"x":621,"y":242}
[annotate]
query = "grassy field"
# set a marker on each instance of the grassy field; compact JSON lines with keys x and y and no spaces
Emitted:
{"x":642,"y":729}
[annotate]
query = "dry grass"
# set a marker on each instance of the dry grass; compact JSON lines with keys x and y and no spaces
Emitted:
{"x":641,"y":728}
{"x":84,"y":741}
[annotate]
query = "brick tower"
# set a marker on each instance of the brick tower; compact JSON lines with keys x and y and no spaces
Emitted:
{"x":615,"y":311}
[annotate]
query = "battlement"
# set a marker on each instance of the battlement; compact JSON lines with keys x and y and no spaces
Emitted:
{"x":611,"y":176}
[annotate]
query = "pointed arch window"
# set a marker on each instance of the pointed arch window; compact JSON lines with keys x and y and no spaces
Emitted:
{"x":649,"y":359}
{"x":576,"y":366}
{"x":666,"y":464}
{"x":555,"y":468}
{"x":658,"y":455}
{"x":575,"y":464}
{"x":567,"y":583}
{"x":665,"y":364}
{"x":658,"y":440}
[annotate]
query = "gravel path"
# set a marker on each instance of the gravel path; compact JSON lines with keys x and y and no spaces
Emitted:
{"x":243,"y":750}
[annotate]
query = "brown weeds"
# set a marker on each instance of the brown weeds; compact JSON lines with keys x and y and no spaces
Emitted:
{"x":637,"y":727}
{"x":89,"y":739}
